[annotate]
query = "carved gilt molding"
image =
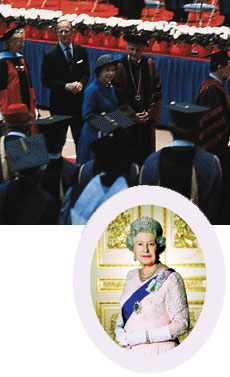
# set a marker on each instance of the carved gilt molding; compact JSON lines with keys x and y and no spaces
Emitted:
{"x":110,"y":284}
{"x":195,"y":283}
{"x":117,"y":231}
{"x":183,"y":236}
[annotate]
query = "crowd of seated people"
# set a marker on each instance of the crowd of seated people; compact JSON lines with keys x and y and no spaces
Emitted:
{"x":121,"y":110}
{"x":38,"y":189}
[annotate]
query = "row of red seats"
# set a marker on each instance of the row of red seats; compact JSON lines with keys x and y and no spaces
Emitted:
{"x":95,"y":8}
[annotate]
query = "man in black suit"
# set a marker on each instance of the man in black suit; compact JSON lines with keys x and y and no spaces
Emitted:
{"x":65,"y":71}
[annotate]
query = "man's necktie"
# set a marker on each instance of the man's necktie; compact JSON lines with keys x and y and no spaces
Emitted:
{"x":137,"y":64}
{"x":68,"y":53}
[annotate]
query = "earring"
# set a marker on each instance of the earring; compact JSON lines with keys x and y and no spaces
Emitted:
{"x":135,"y":258}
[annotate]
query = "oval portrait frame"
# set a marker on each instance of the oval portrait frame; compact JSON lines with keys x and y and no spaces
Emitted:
{"x":129,"y":198}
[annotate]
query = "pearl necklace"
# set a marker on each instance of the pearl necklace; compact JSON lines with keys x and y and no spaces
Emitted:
{"x":144,"y":277}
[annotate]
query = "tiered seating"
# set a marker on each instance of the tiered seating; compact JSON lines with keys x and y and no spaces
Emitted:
{"x":95,"y":8}
{"x":67,"y":6}
{"x":154,"y":10}
{"x":201,"y":7}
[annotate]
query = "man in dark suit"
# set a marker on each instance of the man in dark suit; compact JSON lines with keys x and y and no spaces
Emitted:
{"x":65,"y":71}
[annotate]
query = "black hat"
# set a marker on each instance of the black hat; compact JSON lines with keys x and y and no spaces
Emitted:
{"x":10,"y":33}
{"x":113,"y":153}
{"x":184,"y":117}
{"x":114,"y":149}
{"x":219,"y":57}
{"x":186,"y":108}
{"x":109,"y":122}
{"x":109,"y":144}
{"x":46,"y":127}
{"x":104,"y":60}
{"x":136,"y":39}
{"x":53,"y":121}
{"x":26,"y":153}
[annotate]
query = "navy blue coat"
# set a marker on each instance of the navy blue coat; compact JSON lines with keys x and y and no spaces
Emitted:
{"x":97,"y":99}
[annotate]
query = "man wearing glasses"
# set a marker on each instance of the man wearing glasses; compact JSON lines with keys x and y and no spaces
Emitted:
{"x":65,"y":71}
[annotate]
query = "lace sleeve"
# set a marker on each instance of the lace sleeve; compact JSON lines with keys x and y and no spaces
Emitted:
{"x":177,"y":306}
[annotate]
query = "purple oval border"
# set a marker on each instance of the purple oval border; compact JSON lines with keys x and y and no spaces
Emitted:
{"x":215,"y":272}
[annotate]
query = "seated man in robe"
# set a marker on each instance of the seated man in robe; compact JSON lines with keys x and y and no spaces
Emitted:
{"x":16,"y":124}
{"x":184,"y":167}
{"x":57,"y":177}
{"x":22,"y":200}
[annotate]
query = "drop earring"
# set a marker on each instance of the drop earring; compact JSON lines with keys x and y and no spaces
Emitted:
{"x":135,"y":258}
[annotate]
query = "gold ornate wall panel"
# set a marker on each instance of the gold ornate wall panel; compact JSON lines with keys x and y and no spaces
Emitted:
{"x":107,"y":313}
{"x":195,"y":283}
{"x":112,"y":261}
{"x":110,"y":285}
{"x":183,"y":248}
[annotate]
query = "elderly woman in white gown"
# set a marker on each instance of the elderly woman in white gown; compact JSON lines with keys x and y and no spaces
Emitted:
{"x":154,"y":308}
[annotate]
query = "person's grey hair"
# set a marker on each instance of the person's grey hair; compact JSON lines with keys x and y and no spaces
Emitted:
{"x":147,"y":225}
{"x":65,"y":20}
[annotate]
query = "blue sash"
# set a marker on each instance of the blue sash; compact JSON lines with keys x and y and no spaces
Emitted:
{"x":151,"y":286}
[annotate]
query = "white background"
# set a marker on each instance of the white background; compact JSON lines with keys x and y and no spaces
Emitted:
{"x":40,"y":331}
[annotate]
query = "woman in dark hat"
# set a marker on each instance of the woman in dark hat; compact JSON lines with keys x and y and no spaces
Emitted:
{"x":15,"y":83}
{"x":99,"y":97}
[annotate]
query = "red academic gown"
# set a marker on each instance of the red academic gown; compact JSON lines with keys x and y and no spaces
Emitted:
{"x":15,"y":84}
